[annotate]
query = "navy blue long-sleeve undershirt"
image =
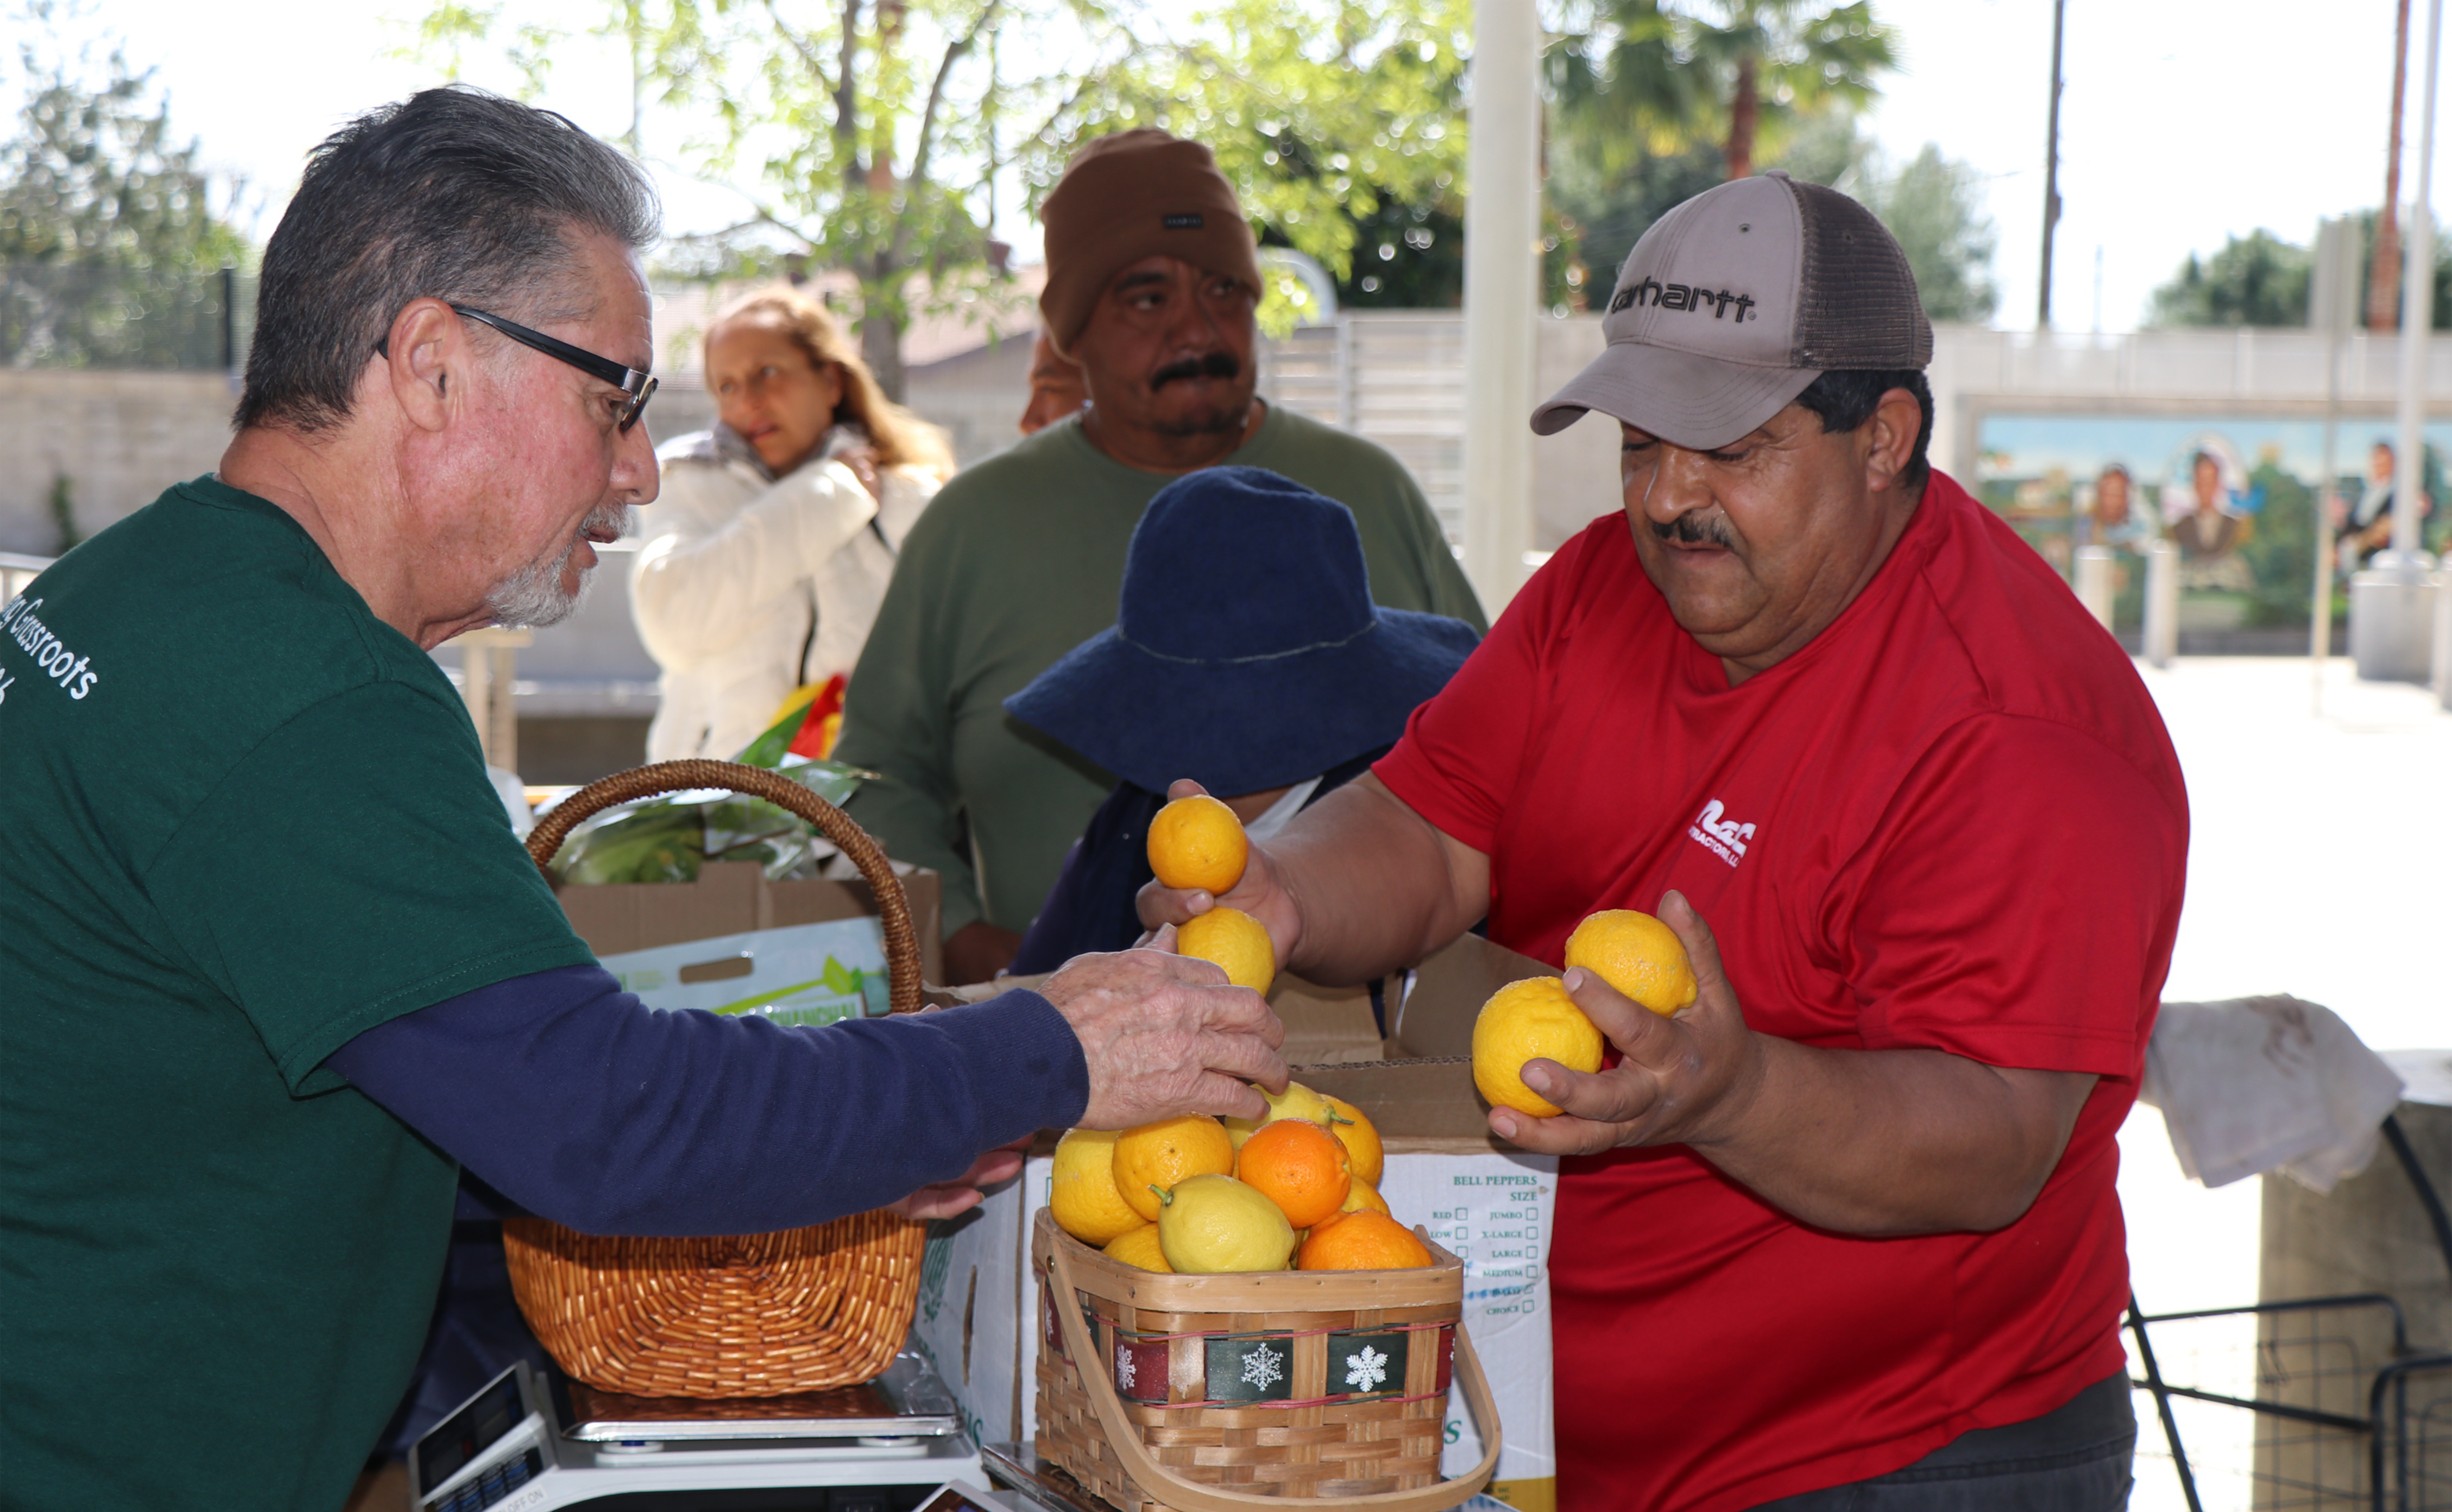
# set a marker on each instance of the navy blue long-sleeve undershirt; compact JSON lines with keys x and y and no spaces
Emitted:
{"x":580,"y":1104}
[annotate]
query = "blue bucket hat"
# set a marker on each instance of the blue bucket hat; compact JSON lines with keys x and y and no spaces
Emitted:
{"x":1246,"y":653}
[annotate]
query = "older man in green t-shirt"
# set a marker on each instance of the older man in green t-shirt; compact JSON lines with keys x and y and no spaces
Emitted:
{"x":1152,"y":284}
{"x":272,"y":968}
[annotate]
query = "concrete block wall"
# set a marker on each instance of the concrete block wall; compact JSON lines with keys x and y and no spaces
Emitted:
{"x":120,"y":438}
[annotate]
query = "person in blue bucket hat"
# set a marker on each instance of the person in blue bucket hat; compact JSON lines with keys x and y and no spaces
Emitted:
{"x":1246,"y":655}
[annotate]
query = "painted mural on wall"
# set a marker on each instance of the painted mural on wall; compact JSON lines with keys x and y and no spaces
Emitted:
{"x":2238,"y":495}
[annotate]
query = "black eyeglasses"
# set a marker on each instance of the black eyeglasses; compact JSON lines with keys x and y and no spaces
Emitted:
{"x":639,"y":385}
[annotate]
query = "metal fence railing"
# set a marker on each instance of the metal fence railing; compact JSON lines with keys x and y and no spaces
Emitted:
{"x":84,"y":314}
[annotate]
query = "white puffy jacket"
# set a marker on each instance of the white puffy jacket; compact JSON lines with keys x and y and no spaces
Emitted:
{"x":745,"y":589}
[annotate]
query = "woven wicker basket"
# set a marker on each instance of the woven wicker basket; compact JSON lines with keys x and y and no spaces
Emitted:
{"x":1226,"y":1393}
{"x":761,"y":1314}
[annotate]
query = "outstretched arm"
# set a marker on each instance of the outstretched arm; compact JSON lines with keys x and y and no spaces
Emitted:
{"x":1358,"y":886}
{"x":574,"y":1100}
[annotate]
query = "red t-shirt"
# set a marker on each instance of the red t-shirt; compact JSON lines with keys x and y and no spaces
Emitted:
{"x":1953,"y":820}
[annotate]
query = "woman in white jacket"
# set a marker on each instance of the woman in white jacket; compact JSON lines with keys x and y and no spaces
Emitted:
{"x":769,"y":548}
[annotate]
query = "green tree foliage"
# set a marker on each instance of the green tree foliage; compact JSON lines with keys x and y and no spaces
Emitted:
{"x":2255,"y":280}
{"x":2262,"y":280}
{"x":1656,"y":78}
{"x":107,"y":243}
{"x":1611,"y":201}
{"x":860,"y":133}
{"x":1656,"y":100}
{"x":865,"y":134}
{"x":1341,"y":126}
{"x":1408,"y":257}
{"x":1933,"y":206}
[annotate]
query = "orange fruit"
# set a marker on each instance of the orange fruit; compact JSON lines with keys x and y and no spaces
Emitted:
{"x":1363,"y":1241}
{"x":1299,"y":1167}
{"x":1140,"y":1247}
{"x":1360,"y":1139}
{"x":1637,"y":954}
{"x":1157,"y":1157}
{"x":1521,"y":1021}
{"x":1234,"y":940}
{"x":1198,"y":843}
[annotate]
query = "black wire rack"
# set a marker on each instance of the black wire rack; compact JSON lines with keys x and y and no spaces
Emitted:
{"x":2346,"y":1415}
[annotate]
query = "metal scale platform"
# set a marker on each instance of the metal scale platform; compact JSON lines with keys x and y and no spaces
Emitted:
{"x":528,"y":1442}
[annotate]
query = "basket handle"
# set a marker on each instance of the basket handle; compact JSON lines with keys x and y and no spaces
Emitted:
{"x":1198,"y":1495}
{"x":894,"y":909}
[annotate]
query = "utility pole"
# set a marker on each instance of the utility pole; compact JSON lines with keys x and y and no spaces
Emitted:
{"x":2383,"y":275}
{"x":2053,"y":174}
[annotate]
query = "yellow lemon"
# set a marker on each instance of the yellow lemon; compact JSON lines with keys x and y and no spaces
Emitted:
{"x":1360,"y":1139}
{"x":1637,"y":954}
{"x":1159,"y":1155}
{"x":1240,"y":1129}
{"x":1364,"y":1197}
{"x":1082,"y":1193}
{"x":1140,"y":1247}
{"x":1299,"y":1101}
{"x":1296,"y":1100}
{"x":1233,"y":940}
{"x":1523,"y":1021}
{"x":1213,"y":1223}
{"x":1198,"y":843}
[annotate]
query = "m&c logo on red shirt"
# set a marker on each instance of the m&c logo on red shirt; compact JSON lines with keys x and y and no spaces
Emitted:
{"x":1721,"y":836}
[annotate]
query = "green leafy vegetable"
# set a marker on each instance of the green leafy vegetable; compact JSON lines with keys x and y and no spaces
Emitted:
{"x":668,"y":839}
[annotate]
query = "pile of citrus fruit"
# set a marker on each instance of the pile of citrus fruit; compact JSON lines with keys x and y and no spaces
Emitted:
{"x":1523,"y":1021}
{"x":1296,"y":1190}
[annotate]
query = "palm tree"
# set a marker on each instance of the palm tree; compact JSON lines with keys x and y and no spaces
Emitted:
{"x":1734,"y":72}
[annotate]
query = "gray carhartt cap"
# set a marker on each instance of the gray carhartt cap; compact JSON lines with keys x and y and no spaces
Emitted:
{"x":1734,"y":301}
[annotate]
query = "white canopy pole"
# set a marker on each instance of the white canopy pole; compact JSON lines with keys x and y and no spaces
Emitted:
{"x":2392,"y":601}
{"x":1502,"y":228}
{"x":2416,"y":314}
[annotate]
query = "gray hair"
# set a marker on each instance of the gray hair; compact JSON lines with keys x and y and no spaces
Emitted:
{"x":454,"y":194}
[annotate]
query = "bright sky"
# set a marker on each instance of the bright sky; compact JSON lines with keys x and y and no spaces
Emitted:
{"x":2181,"y":122}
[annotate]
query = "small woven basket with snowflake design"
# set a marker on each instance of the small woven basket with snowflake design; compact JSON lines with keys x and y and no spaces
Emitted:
{"x":1164,"y":1393}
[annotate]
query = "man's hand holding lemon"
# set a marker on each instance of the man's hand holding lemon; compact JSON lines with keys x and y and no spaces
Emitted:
{"x":1681,"y":1078}
{"x":1189,"y":846}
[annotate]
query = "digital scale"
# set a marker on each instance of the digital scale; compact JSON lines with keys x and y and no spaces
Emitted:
{"x":527,"y":1443}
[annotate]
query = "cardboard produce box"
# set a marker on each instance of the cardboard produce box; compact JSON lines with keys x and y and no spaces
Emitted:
{"x":731,"y":897}
{"x":1489,"y":1202}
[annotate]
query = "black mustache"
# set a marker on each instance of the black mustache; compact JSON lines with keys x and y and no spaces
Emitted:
{"x":1695,"y":529}
{"x":1209,"y":364}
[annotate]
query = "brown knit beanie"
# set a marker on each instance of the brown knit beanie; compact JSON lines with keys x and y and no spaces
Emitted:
{"x":1132,"y":195}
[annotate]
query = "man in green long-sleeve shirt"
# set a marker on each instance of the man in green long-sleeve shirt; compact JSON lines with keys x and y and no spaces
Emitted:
{"x":1152,"y":284}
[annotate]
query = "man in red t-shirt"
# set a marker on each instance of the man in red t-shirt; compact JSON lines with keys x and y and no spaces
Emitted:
{"x":1843,"y":1233}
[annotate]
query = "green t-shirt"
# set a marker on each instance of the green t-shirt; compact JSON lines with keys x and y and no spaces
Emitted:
{"x":241,"y":820}
{"x":1018,"y":561}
